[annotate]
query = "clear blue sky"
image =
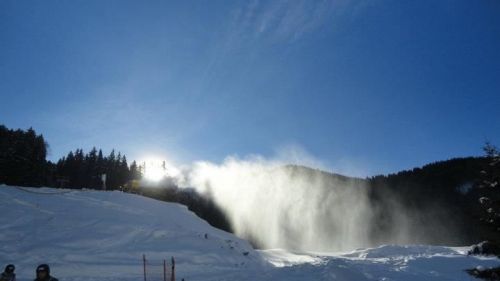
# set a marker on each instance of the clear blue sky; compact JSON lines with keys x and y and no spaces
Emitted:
{"x":369,"y":86}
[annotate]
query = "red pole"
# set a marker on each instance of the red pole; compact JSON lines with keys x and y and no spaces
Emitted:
{"x":144,"y":265}
{"x":164,"y":270}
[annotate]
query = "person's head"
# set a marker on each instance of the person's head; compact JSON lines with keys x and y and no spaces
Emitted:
{"x":10,"y":268}
{"x":42,"y":271}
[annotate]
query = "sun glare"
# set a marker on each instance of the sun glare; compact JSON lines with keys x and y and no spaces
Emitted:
{"x":155,"y":169}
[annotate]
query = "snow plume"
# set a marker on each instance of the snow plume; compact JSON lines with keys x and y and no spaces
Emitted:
{"x":277,"y":205}
{"x":282,"y":204}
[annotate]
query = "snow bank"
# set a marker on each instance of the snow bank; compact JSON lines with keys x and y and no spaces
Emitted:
{"x":92,"y":234}
{"x":95,"y":235}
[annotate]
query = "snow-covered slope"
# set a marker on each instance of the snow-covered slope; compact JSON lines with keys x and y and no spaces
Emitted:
{"x":95,"y":235}
{"x":103,"y":235}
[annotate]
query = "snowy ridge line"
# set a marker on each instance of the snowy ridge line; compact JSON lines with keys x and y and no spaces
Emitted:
{"x":43,"y":193}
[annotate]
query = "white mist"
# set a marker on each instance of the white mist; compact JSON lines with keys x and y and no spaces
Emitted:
{"x":280,"y":206}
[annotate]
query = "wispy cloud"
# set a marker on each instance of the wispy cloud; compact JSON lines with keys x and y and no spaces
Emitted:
{"x":283,"y":21}
{"x":257,"y":24}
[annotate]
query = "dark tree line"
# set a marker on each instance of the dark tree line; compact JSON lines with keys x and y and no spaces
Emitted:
{"x":464,"y":193}
{"x":452,"y":202}
{"x":86,"y":170}
{"x":437,"y":196}
{"x":22,"y":157}
{"x":23,"y":163}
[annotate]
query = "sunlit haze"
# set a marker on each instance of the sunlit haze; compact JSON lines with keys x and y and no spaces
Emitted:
{"x":155,"y":169}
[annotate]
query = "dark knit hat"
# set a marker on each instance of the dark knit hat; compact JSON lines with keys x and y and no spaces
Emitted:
{"x":10,"y":268}
{"x":43,"y":268}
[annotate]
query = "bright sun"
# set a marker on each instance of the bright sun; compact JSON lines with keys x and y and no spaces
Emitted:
{"x":156,"y":169}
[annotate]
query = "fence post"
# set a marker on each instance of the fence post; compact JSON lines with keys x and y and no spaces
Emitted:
{"x":172,"y":277}
{"x":144,"y":265}
{"x":164,"y":270}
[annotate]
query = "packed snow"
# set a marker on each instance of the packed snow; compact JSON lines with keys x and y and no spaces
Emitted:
{"x":98,"y":235}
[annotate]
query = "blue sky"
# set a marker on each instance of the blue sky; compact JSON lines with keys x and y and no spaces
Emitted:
{"x":367,"y":87}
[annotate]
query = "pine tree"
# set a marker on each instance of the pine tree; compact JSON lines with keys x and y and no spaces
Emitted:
{"x":123,"y":171}
{"x":490,"y":189}
{"x":135,"y":173}
{"x":70,"y":170}
{"x":80,"y":169}
{"x":111,"y":170}
{"x":91,"y":174}
{"x":22,"y":157}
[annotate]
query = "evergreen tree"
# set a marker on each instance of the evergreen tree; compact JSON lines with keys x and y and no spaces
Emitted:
{"x":489,"y":190}
{"x":91,"y":174}
{"x":111,"y":170}
{"x":124,"y":171}
{"x":81,"y":169}
{"x":70,"y":169}
{"x":22,"y":157}
{"x":135,"y":173}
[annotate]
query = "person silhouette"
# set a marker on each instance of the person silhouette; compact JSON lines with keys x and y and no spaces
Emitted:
{"x":8,"y":274}
{"x":43,"y":273}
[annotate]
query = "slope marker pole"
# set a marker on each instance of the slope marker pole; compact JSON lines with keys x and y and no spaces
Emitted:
{"x":144,"y":265}
{"x":164,"y":270}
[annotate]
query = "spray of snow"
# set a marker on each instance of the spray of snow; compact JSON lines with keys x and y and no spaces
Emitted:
{"x":275,"y":203}
{"x":278,"y":208}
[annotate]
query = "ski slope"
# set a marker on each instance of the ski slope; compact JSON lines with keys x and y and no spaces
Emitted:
{"x":96,"y":235}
